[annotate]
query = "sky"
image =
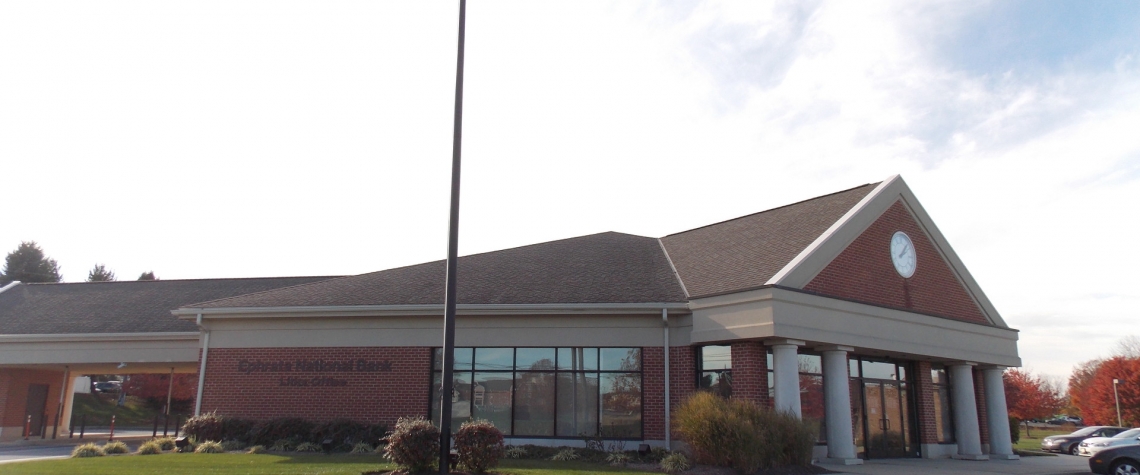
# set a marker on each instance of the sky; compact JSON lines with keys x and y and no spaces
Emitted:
{"x":269,"y":138}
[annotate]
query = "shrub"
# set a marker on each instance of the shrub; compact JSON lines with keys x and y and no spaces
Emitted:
{"x":515,"y":452}
{"x":257,"y":449}
{"x":204,"y":427}
{"x":618,"y":459}
{"x":232,"y":445}
{"x":675,"y":462}
{"x":87,"y":450}
{"x":151,"y":447}
{"x":191,"y":444}
{"x":414,"y":444}
{"x":361,"y":448}
{"x":479,"y":444}
{"x":308,"y":447}
{"x":165,"y":443}
{"x":565,"y":455}
{"x":115,"y":447}
{"x":1014,"y":429}
{"x":283,"y":445}
{"x":235,"y":428}
{"x":271,"y":431}
{"x":742,"y":435}
{"x":209,"y":447}
{"x":341,"y":431}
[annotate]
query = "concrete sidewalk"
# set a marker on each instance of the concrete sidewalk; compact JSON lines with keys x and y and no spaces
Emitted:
{"x":1060,"y":465}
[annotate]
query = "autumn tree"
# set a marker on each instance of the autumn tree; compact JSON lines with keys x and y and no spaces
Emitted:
{"x":29,"y":264}
{"x":1097,"y":401}
{"x":1030,"y":397}
{"x":1079,"y":381}
{"x":100,"y":274}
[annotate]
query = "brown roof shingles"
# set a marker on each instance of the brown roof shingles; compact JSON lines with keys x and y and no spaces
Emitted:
{"x":745,"y":252}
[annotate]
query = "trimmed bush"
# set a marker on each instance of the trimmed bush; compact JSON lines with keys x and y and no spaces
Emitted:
{"x":565,"y":455}
{"x":271,"y":431}
{"x":675,"y":463}
{"x":479,"y":444}
{"x":283,"y":445}
{"x":341,"y":431}
{"x":361,"y":448}
{"x":209,"y":447}
{"x":232,"y":445}
{"x":257,"y":449}
{"x":204,"y":427}
{"x":165,"y":443}
{"x":87,"y":450}
{"x":1014,"y":429}
{"x":618,"y":459}
{"x":307,"y":447}
{"x":151,"y":447}
{"x":235,"y":428}
{"x":742,"y":435}
{"x":515,"y":452}
{"x":414,"y":444}
{"x":115,"y":447}
{"x":191,"y":444}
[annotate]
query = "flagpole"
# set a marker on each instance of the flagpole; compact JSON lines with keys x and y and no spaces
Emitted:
{"x":452,"y":256}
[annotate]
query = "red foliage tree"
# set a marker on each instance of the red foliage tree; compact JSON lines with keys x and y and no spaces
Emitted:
{"x":1095,"y":398}
{"x":153,"y":387}
{"x":1030,"y":397}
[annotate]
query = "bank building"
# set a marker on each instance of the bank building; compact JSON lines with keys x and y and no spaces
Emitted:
{"x":850,"y":310}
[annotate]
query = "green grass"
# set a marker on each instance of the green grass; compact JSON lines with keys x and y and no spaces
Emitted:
{"x":297,"y":464}
{"x":1034,"y":443}
{"x":99,"y":407}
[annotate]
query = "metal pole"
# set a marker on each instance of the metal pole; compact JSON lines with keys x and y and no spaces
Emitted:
{"x":1117,"y":397}
{"x":169,"y":391}
{"x":452,"y":257}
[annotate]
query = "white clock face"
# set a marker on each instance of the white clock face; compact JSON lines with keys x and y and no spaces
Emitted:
{"x":902,"y":254}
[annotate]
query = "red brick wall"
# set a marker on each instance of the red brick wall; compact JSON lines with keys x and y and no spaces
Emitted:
{"x":653,"y":392}
{"x":683,"y":381}
{"x":14,"y":395}
{"x":750,"y":372}
{"x":924,"y":400}
{"x":371,"y":397}
{"x":863,"y":272}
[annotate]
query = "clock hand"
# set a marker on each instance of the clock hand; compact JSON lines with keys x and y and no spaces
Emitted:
{"x":904,"y":250}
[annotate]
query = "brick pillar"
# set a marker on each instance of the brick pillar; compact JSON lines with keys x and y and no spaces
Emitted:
{"x":924,"y":398}
{"x":653,"y":392}
{"x":750,"y":372}
{"x":683,"y":380}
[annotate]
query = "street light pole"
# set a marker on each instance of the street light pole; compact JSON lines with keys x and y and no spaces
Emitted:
{"x":1116,"y":396}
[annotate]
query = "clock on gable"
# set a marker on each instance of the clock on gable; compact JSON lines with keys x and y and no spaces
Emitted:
{"x":902,"y":254}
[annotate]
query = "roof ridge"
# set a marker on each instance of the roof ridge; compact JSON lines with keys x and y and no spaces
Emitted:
{"x":772,"y":209}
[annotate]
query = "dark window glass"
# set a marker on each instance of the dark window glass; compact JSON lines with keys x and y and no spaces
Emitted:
{"x":577,"y":404}
{"x":534,"y":359}
{"x":879,"y":370}
{"x":714,"y":369}
{"x":494,"y":359}
{"x":811,"y":402}
{"x":716,"y":357}
{"x":853,"y":368}
{"x":491,"y":398}
{"x":460,"y":398}
{"x":462,"y":359}
{"x":621,"y":405}
{"x":811,"y":364}
{"x":621,"y":359}
{"x":578,"y":359}
{"x":534,"y":403}
{"x":943,"y":418}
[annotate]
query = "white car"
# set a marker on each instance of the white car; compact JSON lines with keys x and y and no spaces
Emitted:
{"x":1091,"y":446}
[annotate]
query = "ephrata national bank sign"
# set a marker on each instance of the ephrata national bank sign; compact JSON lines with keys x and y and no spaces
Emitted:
{"x":322,"y":367}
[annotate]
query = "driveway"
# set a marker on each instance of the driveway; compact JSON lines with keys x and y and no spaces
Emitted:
{"x":1059,"y":465}
{"x":34,"y":452}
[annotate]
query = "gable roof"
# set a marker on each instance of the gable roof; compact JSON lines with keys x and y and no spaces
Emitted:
{"x":118,"y":307}
{"x":599,"y":268}
{"x":744,"y":253}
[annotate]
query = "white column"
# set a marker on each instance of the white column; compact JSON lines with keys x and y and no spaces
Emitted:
{"x":966,"y":430}
{"x":786,"y":375}
{"x":837,"y":404}
{"x":997,"y":416}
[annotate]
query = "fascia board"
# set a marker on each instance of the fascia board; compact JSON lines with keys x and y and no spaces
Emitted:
{"x":101,"y":337}
{"x":430,"y":310}
{"x":809,"y":263}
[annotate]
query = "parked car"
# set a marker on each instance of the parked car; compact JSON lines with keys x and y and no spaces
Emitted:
{"x":108,"y":386}
{"x":1117,"y":460}
{"x":1070,"y":443}
{"x":1093,"y":445}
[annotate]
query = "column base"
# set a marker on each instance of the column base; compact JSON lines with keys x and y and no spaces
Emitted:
{"x":1005,"y":457}
{"x":835,"y":461}
{"x":969,"y":457}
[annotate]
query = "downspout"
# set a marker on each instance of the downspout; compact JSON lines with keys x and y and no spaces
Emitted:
{"x":62,"y":396}
{"x":668,"y":422}
{"x":202,"y":369}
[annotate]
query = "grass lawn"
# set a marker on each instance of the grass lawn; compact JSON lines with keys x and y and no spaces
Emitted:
{"x":1034,"y":443}
{"x":294,"y":464}
{"x":99,"y":407}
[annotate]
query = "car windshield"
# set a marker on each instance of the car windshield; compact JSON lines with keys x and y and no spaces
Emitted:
{"x":1086,"y":431}
{"x":1128,"y":434}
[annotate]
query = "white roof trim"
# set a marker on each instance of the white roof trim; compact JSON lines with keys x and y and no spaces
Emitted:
{"x":10,"y":285}
{"x":84,"y":337}
{"x":187,"y":313}
{"x":676,"y":274}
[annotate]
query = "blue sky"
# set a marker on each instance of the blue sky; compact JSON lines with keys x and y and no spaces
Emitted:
{"x":217,"y":139}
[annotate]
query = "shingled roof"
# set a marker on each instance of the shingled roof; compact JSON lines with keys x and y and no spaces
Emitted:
{"x":745,"y":252}
{"x":118,"y":307}
{"x":600,"y":268}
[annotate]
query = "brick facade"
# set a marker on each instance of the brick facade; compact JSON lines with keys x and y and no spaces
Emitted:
{"x":683,"y":382}
{"x":750,"y":372}
{"x":863,"y":272}
{"x":14,"y":385}
{"x":376,"y":394}
{"x":653,"y":392}
{"x":923,"y":387}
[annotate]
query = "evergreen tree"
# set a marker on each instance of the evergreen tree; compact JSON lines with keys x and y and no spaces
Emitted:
{"x":100,"y":274}
{"x":28,"y":264}
{"x":148,"y":275}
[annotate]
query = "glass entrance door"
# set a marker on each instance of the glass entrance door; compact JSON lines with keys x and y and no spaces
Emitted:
{"x":886,"y":426}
